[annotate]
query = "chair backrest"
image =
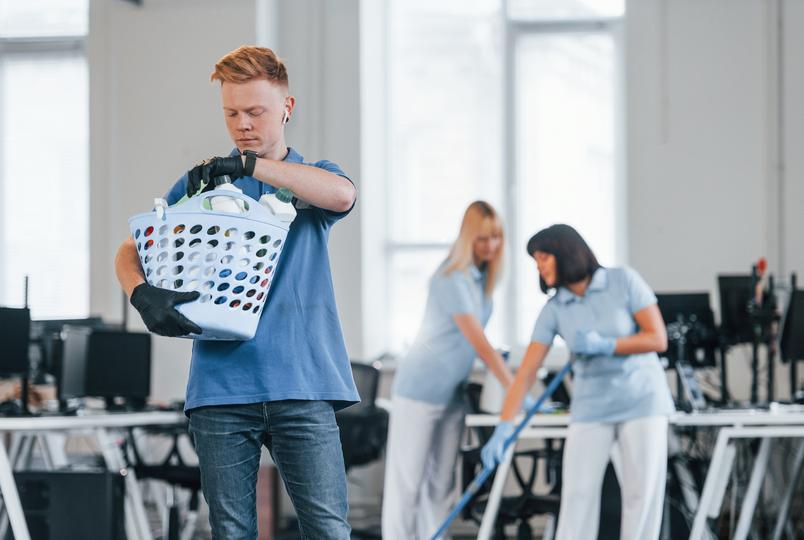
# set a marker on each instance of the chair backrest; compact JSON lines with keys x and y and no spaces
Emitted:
{"x":471,"y":397}
{"x":364,"y":426}
{"x":367,"y":380}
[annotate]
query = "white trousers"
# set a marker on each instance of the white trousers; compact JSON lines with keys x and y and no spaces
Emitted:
{"x":423,"y":443}
{"x":641,"y":446}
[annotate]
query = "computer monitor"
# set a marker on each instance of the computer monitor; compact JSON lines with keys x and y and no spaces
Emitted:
{"x":792,"y":339}
{"x":107,"y":363}
{"x":735,"y":293}
{"x":702,"y":336}
{"x":15,"y":329}
{"x":561,"y":395}
{"x":47,"y":334}
{"x":71,"y":376}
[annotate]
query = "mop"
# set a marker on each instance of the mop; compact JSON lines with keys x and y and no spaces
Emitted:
{"x":481,"y":478}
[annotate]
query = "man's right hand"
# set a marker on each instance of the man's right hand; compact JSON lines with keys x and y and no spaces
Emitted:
{"x":208,"y":169}
{"x":157,"y":308}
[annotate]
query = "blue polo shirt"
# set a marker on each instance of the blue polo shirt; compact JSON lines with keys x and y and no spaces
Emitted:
{"x":607,"y":388}
{"x":298,"y":351}
{"x":441,"y":357}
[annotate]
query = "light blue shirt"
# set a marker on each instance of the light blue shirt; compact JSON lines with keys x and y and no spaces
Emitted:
{"x":298,"y":351}
{"x":607,"y":388}
{"x":441,"y":358}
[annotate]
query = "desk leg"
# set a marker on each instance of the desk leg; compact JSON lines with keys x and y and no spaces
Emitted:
{"x":712,"y":478}
{"x":53,"y":445}
{"x":11,"y":497}
{"x":784,"y":508}
{"x":493,"y":503}
{"x":754,"y":487}
{"x":17,"y":440}
{"x":137,"y":527}
{"x":22,"y":456}
{"x":47,"y":457}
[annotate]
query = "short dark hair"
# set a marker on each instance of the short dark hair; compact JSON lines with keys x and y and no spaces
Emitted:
{"x":575,"y":260}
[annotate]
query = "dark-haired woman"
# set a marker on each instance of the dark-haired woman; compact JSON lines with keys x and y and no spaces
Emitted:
{"x":610,"y":320}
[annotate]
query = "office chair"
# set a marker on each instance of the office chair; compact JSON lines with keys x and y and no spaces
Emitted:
{"x":517,"y":509}
{"x":363,"y":427}
{"x":174,"y":472}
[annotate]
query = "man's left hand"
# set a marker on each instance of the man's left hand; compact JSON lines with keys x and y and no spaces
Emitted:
{"x":210,"y":168}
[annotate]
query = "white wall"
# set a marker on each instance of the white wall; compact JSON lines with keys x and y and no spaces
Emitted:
{"x":706,"y":192}
{"x":153,"y":114}
{"x":319,"y":40}
{"x":793,"y":129}
{"x":698,"y":156}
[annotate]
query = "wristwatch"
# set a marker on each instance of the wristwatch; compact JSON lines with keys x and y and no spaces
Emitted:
{"x":251,"y":161}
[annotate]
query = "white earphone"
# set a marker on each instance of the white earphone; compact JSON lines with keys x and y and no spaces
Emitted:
{"x":286,"y":117}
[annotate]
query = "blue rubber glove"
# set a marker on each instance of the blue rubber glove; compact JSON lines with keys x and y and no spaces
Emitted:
{"x":528,"y":403}
{"x":492,"y":453}
{"x":593,"y":344}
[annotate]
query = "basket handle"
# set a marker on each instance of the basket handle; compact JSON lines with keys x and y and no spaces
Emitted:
{"x":253,"y":209}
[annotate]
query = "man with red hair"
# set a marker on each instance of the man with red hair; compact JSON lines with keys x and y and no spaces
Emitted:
{"x":280,"y":389}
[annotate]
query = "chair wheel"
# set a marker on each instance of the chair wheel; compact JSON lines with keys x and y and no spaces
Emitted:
{"x":524,"y":532}
{"x":174,"y":528}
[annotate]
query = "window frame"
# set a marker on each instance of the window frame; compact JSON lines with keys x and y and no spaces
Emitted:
{"x":514,"y":31}
{"x":40,"y":47}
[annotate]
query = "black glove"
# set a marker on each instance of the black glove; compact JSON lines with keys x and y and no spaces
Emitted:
{"x":210,"y":168}
{"x":158,"y":311}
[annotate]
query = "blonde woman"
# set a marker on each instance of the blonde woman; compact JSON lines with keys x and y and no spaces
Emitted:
{"x":426,"y":410}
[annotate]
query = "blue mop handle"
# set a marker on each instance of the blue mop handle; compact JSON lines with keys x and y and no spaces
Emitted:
{"x":481,"y":478}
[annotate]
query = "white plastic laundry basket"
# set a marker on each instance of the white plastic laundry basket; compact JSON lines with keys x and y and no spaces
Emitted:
{"x":230,"y":258}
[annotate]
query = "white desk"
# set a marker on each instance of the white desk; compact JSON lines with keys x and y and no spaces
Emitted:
{"x":100,"y":426}
{"x":733,"y":424}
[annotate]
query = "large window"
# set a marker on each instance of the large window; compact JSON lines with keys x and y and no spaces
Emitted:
{"x":565,"y":154}
{"x":444,"y":114}
{"x":514,"y":102}
{"x":44,"y":183}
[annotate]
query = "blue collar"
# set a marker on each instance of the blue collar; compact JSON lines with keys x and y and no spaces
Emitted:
{"x":292,"y":156}
{"x":598,"y":282}
{"x":475,"y":272}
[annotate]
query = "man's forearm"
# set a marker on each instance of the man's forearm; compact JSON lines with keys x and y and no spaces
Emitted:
{"x":127,"y":267}
{"x":315,"y":186}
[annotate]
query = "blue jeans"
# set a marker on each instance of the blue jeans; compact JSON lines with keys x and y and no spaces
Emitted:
{"x":303,"y":440}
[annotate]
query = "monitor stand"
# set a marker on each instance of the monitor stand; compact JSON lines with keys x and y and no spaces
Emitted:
{"x":24,"y":396}
{"x":689,"y":387}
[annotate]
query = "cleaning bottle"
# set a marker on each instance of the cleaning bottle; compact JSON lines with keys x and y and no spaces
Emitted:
{"x":224,"y":203}
{"x":280,"y":204}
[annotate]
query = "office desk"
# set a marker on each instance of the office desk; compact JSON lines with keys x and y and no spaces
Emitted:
{"x":731,"y":424}
{"x":101,"y":426}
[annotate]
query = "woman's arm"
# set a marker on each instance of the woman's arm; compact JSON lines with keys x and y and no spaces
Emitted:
{"x":525,"y":377}
{"x":474,"y":334}
{"x":651,"y":337}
